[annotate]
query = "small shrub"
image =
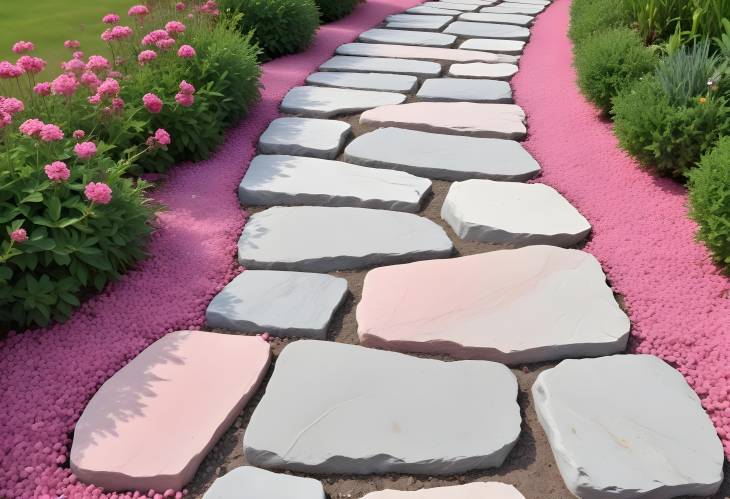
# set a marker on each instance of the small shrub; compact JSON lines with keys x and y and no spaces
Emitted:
{"x":684,"y":74}
{"x":332,"y":10}
{"x":588,"y":17}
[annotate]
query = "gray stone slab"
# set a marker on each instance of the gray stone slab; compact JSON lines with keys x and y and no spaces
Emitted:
{"x":462,"y":7}
{"x":321,"y":391}
{"x":497,"y":18}
{"x":628,"y":426}
{"x":248,"y":482}
{"x":444,"y":157}
{"x":305,"y":137}
{"x":386,"y":82}
{"x":406,"y":37}
{"x":381,"y":65}
{"x":542,"y":3}
{"x":419,"y":22}
{"x":322,"y":239}
{"x":475,"y":490}
{"x":488,"y":30}
{"x":472,"y":2}
{"x":327,"y":102}
{"x":294,"y":180}
{"x":464,"y":89}
{"x":420,"y":9}
{"x":483,"y":70}
{"x":279,"y":303}
{"x":514,"y":8}
{"x":511,"y":47}
{"x":407,"y":52}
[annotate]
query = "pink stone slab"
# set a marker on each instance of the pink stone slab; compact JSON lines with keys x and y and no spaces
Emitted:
{"x":430,"y":53}
{"x":502,"y":121}
{"x":152,"y":423}
{"x":478,"y":490}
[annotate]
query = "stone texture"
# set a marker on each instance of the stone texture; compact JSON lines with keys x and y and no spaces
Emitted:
{"x":462,"y":7}
{"x":527,"y":305}
{"x":541,"y":3}
{"x":419,"y":22}
{"x":513,"y":214}
{"x":444,"y":157}
{"x":488,"y":30}
{"x":628,"y":426}
{"x":279,"y":303}
{"x":456,"y":118}
{"x":482,"y":70}
{"x":382,"y":65}
{"x":327,"y":102}
{"x":477,"y":490}
{"x":248,"y":482}
{"x":406,"y":37}
{"x":458,"y":89}
{"x":305,"y":137}
{"x":514,"y":8}
{"x":294,"y":180}
{"x":319,"y":239}
{"x":512,"y":47}
{"x":431,"y":53}
{"x":498,"y":18}
{"x":472,"y":2}
{"x":364,"y":81}
{"x":420,"y":9}
{"x":336,"y":408}
{"x":151,"y":424}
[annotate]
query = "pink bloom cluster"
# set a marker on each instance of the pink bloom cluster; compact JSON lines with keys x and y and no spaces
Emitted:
{"x":37,"y":129}
{"x":11,"y":105}
{"x":19,"y":236}
{"x":139,"y":11}
{"x":22,"y":47}
{"x":85,"y":150}
{"x":185,"y":97}
{"x":161,"y":138}
{"x":79,"y":134}
{"x":152,"y":103}
{"x":210,"y":7}
{"x":98,"y":193}
{"x":65,"y":84}
{"x":146,"y":56}
{"x":9,"y":70}
{"x":180,"y":6}
{"x":31,"y":64}
{"x":110,"y":18}
{"x":57,"y":171}
{"x":186,"y":52}
{"x":97,"y":63}
{"x":71,"y":44}
{"x":117,"y":33}
{"x":174,"y":27}
{"x":43,"y":88}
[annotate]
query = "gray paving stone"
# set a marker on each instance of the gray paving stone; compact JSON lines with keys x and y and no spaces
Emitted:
{"x":497,"y":18}
{"x":483,"y":70}
{"x":464,"y":89}
{"x":472,"y":2}
{"x":364,"y":81}
{"x":294,"y":180}
{"x":320,"y":391}
{"x":475,"y":490}
{"x":628,"y":426}
{"x":444,"y":157}
{"x":512,"y":47}
{"x":322,"y":239}
{"x":305,"y":137}
{"x":381,"y":65}
{"x":420,"y":9}
{"x":279,"y":303}
{"x":419,"y":22}
{"x":488,"y":30}
{"x":542,"y":3}
{"x":462,"y":7}
{"x":406,"y":37}
{"x":248,"y":482}
{"x":325,"y":102}
{"x":514,"y":8}
{"x":432,"y":53}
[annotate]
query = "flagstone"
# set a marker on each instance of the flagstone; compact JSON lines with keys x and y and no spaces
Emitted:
{"x":455,"y":5}
{"x":364,"y":81}
{"x":247,"y":482}
{"x":483,"y":70}
{"x":431,"y":53}
{"x":419,"y":22}
{"x":327,"y":102}
{"x":512,"y":47}
{"x":382,"y":65}
{"x":488,"y":30}
{"x":514,"y":8}
{"x":473,"y":2}
{"x":406,"y":37}
{"x":458,"y":89}
{"x":305,"y":137}
{"x":476,"y":490}
{"x":498,"y":18}
{"x":420,"y":9}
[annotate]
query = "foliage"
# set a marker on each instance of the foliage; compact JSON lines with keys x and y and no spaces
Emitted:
{"x":588,"y":17}
{"x":684,"y":74}
{"x":332,"y":10}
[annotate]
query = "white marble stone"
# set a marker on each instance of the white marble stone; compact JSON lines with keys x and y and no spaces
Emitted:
{"x":418,"y":22}
{"x":381,"y":65}
{"x":247,"y":482}
{"x":432,"y":53}
{"x":462,"y":7}
{"x":514,"y":8}
{"x":384,"y":82}
{"x":323,"y":102}
{"x":420,"y":9}
{"x":512,"y":47}
{"x":476,"y":490}
{"x":498,"y":18}
{"x":488,"y":30}
{"x":465,"y":89}
{"x":482,"y":70}
{"x":305,"y":137}
{"x":406,"y":37}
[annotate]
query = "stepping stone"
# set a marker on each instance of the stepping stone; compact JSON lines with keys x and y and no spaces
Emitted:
{"x":432,"y":11}
{"x":542,"y":3}
{"x":322,"y":391}
{"x":472,"y":2}
{"x":381,"y":65}
{"x":422,"y":22}
{"x":465,"y":90}
{"x":513,"y":214}
{"x":512,"y":47}
{"x":444,"y":157}
{"x":151,"y":424}
{"x":462,"y":7}
{"x":365,"y":81}
{"x":488,"y":30}
{"x":248,"y":482}
{"x":405,"y":37}
{"x":498,"y":18}
{"x":477,"y":490}
{"x":514,"y":8}
{"x":320,"y":239}
{"x":482,"y":70}
{"x":305,"y":137}
{"x":517,"y":306}
{"x":279,"y":303}
{"x":502,"y":121}
{"x":628,"y":426}
{"x":294,"y":180}
{"x":431,"y":53}
{"x":327,"y":102}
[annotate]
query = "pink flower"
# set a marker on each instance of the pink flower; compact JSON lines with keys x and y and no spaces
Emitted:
{"x":43,"y":88}
{"x":97,"y":63}
{"x":51,"y":133}
{"x":138,"y":11}
{"x":79,"y":134}
{"x":115,"y":74}
{"x":152,"y":103}
{"x":185,"y":100}
{"x":31,"y":127}
{"x":210,"y":7}
{"x":74,"y":65}
{"x":186,"y":88}
{"x":94,"y":99}
{"x":106,"y":35}
{"x":90,"y":80}
{"x":57,"y":171}
{"x":154,"y":36}
{"x":78,"y":54}
{"x":160,"y":139}
{"x":5,"y":119}
{"x":8,"y":70}
{"x":19,"y":236}
{"x":65,"y":85}
{"x":110,"y":19}
{"x":117,"y":104}
{"x":121,"y":32}
{"x":109,"y":87}
{"x":85,"y":150}
{"x":146,"y":56}
{"x":11,"y":105}
{"x":165,"y":44}
{"x":186,"y":52}
{"x":31,"y":64}
{"x":22,"y":47}
{"x":98,"y":192}
{"x":179,"y":6}
{"x":71,"y":44}
{"x":174,"y":27}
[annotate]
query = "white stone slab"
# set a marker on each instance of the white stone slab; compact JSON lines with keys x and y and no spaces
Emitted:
{"x":477,"y":490}
{"x":337,"y":408}
{"x":419,"y":22}
{"x":247,"y":482}
{"x":514,"y":8}
{"x":385,"y":82}
{"x":472,"y":2}
{"x":305,"y":137}
{"x":431,"y":53}
{"x":381,"y":65}
{"x":482,"y":70}
{"x":512,"y":47}
{"x":498,"y":18}
{"x":458,"y":89}
{"x":512,"y":213}
{"x":462,"y":7}
{"x":327,"y":102}
{"x":406,"y":37}
{"x":321,"y":239}
{"x":541,"y":3}
{"x":488,"y":30}
{"x":420,"y":9}
{"x":628,"y":426}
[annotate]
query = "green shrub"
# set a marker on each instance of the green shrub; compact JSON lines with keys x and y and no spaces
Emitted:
{"x":332,"y":10}
{"x":279,"y":26}
{"x":610,"y":61}
{"x":588,"y":17}
{"x":684,"y":74}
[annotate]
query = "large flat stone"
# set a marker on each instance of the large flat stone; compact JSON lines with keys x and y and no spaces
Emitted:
{"x":420,"y":9}
{"x":247,"y":482}
{"x":405,"y":37}
{"x":326,"y":102}
{"x":364,"y":81}
{"x":519,"y":306}
{"x":431,"y":53}
{"x":472,"y":2}
{"x":458,"y":89}
{"x":419,"y":22}
{"x":504,"y":121}
{"x":273,"y":180}
{"x":277,"y":302}
{"x":305,"y":137}
{"x":444,"y":157}
{"x":477,"y":490}
{"x":482,"y":70}
{"x":628,"y":426}
{"x":512,"y":47}
{"x":541,"y":3}
{"x":488,"y":30}
{"x":381,"y":65}
{"x":151,"y":424}
{"x":498,"y":18}
{"x":336,"y":408}
{"x":319,"y":239}
{"x":462,"y":7}
{"x":513,"y":214}
{"x":514,"y":8}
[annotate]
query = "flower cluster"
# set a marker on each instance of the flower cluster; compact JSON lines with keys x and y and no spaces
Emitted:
{"x":25,"y":63}
{"x":185,"y":97}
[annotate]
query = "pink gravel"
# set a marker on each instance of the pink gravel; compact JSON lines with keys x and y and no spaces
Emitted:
{"x":48,"y":376}
{"x":677,"y":299}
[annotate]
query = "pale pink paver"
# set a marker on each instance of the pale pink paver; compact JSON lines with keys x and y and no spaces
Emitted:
{"x":478,"y":490}
{"x":152,"y":423}
{"x":502,"y":121}
{"x":430,"y":53}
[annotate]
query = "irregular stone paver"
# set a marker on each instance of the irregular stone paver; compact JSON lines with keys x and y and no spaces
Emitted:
{"x":465,"y":90}
{"x":483,"y":70}
{"x":419,"y":22}
{"x":462,"y":7}
{"x":488,"y":30}
{"x":321,"y":391}
{"x":293,"y":180}
{"x":512,"y":47}
{"x":542,"y":3}
{"x":498,"y":18}
{"x":518,"y":306}
{"x":381,"y":65}
{"x":326,"y":102}
{"x":514,"y":8}
{"x":276,"y":302}
{"x":364,"y":81}
{"x":504,"y":121}
{"x":432,"y":11}
{"x":431,"y":53}
{"x":173,"y":401}
{"x":405,"y":37}
{"x":305,"y":137}
{"x":248,"y":482}
{"x":445,"y":157}
{"x":478,"y":490}
{"x":628,"y":426}
{"x":472,"y":2}
{"x":512,"y":213}
{"x":319,"y":239}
